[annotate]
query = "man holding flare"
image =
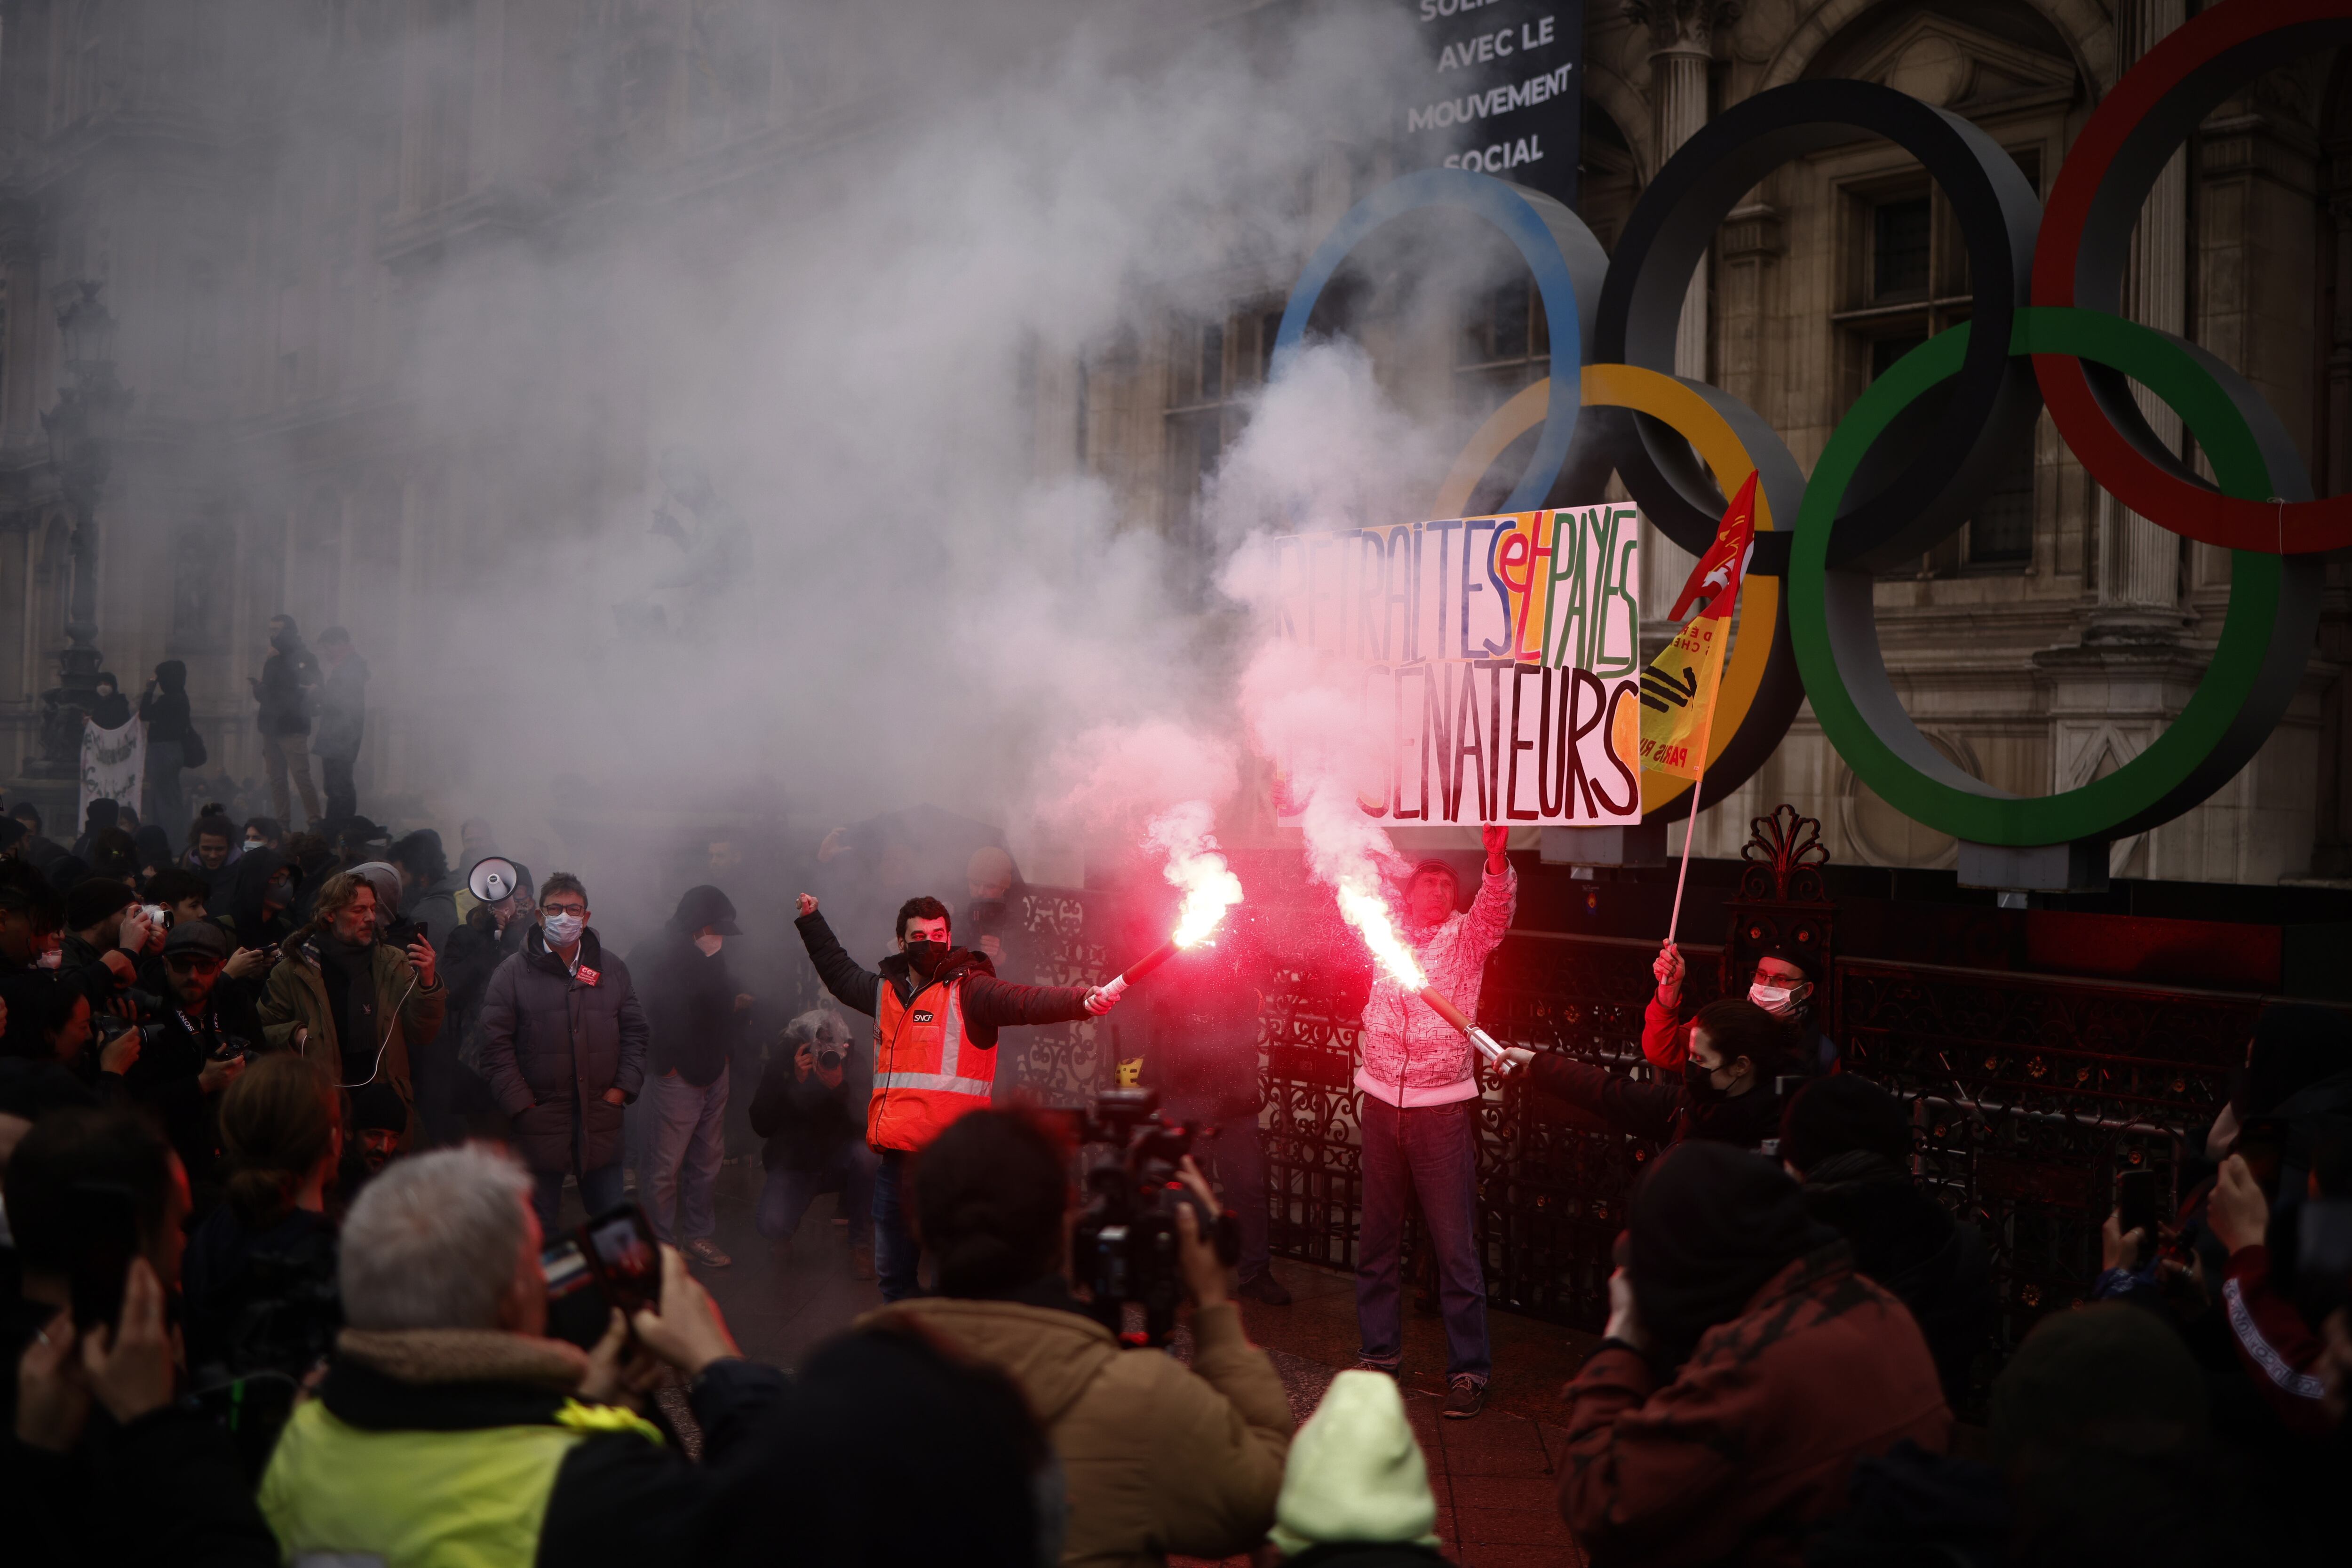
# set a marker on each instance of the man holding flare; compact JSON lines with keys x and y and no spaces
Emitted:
{"x":1420,"y":1080}
{"x":937,"y":1010}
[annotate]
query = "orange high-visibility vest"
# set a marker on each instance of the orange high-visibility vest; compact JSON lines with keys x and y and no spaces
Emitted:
{"x":927,"y":1069}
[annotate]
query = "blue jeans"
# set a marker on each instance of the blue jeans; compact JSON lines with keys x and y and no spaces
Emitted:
{"x":688,"y":1140}
{"x":786,"y":1194}
{"x":600,"y":1189}
{"x":1430,"y":1152}
{"x":896,"y":1255}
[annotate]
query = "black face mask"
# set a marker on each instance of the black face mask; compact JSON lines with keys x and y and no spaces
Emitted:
{"x":1700,"y":1082}
{"x":925,"y":956}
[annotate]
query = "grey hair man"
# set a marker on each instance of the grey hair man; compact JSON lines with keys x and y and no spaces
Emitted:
{"x":448,"y":1421}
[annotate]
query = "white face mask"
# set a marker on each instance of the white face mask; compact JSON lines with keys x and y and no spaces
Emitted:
{"x":562,"y":931}
{"x":51,"y":959}
{"x":1777,"y":1000}
{"x":253,"y":844}
{"x":708,"y":944}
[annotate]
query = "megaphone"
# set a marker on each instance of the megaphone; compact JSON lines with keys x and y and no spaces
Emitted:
{"x":493,"y":878}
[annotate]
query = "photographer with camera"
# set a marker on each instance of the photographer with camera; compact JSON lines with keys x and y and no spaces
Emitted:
{"x":809,"y":1108}
{"x":194,"y":1050}
{"x":450,"y":1427}
{"x":1156,"y":1457}
{"x":106,"y":930}
{"x":100,"y":1463}
{"x":936,"y":1011}
{"x":352,"y":1004}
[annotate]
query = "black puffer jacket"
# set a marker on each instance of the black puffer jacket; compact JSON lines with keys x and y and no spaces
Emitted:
{"x":1909,"y":1243}
{"x":553,"y":1042}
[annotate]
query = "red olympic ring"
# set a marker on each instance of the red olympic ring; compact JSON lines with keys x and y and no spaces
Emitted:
{"x":2085,"y":236}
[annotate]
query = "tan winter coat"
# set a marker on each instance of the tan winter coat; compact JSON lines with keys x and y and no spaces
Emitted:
{"x":1156,"y":1458}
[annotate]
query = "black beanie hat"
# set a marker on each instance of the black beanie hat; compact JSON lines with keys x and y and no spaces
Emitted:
{"x":94,"y":899}
{"x":1842,"y":1114}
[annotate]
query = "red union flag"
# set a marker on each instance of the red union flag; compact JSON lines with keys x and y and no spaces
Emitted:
{"x":1679,"y":690}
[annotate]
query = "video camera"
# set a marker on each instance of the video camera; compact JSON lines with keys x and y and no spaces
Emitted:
{"x":1125,"y":1246}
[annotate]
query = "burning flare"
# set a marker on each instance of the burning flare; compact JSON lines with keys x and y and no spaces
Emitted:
{"x":1194,"y":865}
{"x":1361,"y":906}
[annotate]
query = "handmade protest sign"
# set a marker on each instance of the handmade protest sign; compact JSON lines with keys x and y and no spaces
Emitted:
{"x":1500,"y":660}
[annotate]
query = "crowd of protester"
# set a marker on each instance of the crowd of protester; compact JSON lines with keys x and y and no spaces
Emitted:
{"x":286,"y":1122}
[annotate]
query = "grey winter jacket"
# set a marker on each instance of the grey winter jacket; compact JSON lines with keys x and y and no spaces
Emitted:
{"x":553,"y":1042}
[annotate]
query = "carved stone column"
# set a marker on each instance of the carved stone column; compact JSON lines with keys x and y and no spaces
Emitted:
{"x":1682,"y":46}
{"x":2136,"y":572}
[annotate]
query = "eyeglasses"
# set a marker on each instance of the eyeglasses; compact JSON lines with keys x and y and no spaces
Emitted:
{"x":581,"y":909}
{"x":189,"y":962}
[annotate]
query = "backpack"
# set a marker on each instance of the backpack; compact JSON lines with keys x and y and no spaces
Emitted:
{"x":192,"y":749}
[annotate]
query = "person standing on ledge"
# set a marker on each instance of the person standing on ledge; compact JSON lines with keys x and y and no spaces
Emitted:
{"x":1420,"y":1080}
{"x":936,"y":1010}
{"x":282,"y":692}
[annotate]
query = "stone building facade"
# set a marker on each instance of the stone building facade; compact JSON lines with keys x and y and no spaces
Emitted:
{"x":2049,"y":641}
{"x":266,"y":276}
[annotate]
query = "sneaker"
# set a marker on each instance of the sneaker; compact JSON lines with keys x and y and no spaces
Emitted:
{"x":1264,"y":1288}
{"x":703,"y":1250}
{"x":1386,"y":1369}
{"x":1465,"y":1396}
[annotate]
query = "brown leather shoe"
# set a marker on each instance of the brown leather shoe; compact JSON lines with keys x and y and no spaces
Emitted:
{"x":703,"y":1250}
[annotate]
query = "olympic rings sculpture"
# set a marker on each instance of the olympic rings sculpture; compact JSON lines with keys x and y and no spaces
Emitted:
{"x":1917,"y":453}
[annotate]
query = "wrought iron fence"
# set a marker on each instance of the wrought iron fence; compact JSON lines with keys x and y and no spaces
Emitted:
{"x":2028,"y":1093}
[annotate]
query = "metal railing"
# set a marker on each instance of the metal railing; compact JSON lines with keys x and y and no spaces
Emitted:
{"x":2028,"y":1093}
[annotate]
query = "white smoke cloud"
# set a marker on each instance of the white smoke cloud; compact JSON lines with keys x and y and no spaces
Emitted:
{"x":940,"y":601}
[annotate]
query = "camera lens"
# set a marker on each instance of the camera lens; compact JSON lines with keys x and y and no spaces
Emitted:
{"x":828,"y":1059}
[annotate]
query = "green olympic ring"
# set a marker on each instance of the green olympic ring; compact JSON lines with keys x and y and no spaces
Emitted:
{"x":2268,"y":632}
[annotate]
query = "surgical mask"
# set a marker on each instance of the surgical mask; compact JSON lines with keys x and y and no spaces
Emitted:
{"x":1777,"y":1000}
{"x":710,"y":945}
{"x":1700,"y":1082}
{"x":562,"y":931}
{"x":51,"y":958}
{"x":925,"y":956}
{"x":253,"y":844}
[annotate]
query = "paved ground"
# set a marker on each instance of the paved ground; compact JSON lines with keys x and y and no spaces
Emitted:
{"x":1494,"y":1475}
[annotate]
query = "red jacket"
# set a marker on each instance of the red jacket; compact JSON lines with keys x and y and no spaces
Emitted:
{"x":2278,"y":1349}
{"x":1753,"y":1441}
